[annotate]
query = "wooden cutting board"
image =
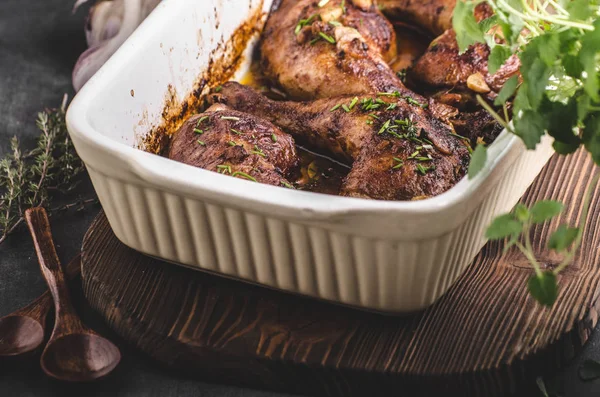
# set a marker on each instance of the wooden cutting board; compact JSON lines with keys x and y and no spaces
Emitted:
{"x":486,"y":336}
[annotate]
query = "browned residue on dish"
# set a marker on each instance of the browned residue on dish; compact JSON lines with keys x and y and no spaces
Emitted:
{"x":224,"y":62}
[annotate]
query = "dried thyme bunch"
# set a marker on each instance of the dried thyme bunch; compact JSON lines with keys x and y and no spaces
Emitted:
{"x":34,"y":178}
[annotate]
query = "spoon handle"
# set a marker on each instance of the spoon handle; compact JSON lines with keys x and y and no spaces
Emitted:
{"x":67,"y":320}
{"x":39,"y":308}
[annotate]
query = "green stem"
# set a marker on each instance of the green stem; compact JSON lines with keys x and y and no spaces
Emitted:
{"x":530,"y":256}
{"x":536,"y":17}
{"x":584,"y":215}
{"x":557,"y":7}
{"x":494,"y":114}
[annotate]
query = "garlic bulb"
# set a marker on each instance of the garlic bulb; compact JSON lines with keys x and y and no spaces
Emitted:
{"x":109,"y":24}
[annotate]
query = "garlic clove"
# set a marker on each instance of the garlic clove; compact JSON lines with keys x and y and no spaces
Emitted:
{"x":476,"y":82}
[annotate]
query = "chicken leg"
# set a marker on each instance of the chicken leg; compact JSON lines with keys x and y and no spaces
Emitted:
{"x":237,"y":144}
{"x":338,"y":49}
{"x":396,"y":153}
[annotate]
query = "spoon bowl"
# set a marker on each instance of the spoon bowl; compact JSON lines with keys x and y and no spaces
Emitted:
{"x":74,"y":352}
{"x":19,"y":334}
{"x":80,"y":357}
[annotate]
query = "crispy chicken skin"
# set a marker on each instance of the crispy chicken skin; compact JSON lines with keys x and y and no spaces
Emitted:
{"x":435,"y":16}
{"x":237,"y":144}
{"x":303,"y":59}
{"x":442,"y":67}
{"x":455,"y":78}
{"x":396,"y":153}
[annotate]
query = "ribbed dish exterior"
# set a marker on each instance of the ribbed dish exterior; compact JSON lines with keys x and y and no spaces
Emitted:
{"x":382,"y":275}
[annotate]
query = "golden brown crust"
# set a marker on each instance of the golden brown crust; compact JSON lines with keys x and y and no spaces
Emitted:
{"x":442,"y":66}
{"x":307,"y":69}
{"x":433,"y":159}
{"x":230,"y":142}
{"x":435,"y":16}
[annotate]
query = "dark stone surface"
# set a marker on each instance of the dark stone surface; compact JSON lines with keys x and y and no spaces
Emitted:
{"x":39,"y":43}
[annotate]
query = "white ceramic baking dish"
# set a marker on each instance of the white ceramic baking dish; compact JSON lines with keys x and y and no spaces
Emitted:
{"x":392,"y":257}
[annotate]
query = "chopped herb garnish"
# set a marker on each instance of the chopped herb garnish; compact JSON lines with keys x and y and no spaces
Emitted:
{"x":232,"y":143}
{"x":408,"y":99}
{"x":384,"y":127}
{"x":392,"y":106}
{"x":230,"y":118}
{"x":373,"y":115}
{"x":274,"y":137}
{"x":304,"y":22}
{"x":327,"y":38}
{"x":201,"y":120}
{"x":399,"y":165}
{"x":413,"y":155}
{"x":244,"y":175}
{"x":236,"y":131}
{"x":218,"y":89}
{"x":201,"y":142}
{"x":394,"y":94}
{"x":198,"y":131}
{"x":353,"y":103}
{"x":346,"y":108}
{"x":460,"y":136}
{"x":336,"y":107}
{"x":313,"y":41}
{"x":224,"y":169}
{"x":369,"y":104}
{"x":284,"y":183}
{"x":370,"y":122}
{"x":415,"y":102}
{"x":258,"y":151}
{"x":423,"y":170}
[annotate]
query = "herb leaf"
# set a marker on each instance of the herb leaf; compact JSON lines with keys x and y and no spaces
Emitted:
{"x":504,"y":226}
{"x":530,"y":126}
{"x":468,"y":31}
{"x":508,"y":90}
{"x":563,"y":238}
{"x":545,"y":210}
{"x":478,"y":160}
{"x":498,"y":56}
{"x":544,"y":288}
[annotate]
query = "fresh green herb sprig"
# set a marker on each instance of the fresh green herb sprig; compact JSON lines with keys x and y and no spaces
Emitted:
{"x":557,"y":93}
{"x":34,"y":178}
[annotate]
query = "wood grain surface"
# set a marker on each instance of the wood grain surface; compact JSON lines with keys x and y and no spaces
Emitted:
{"x":484,"y":337}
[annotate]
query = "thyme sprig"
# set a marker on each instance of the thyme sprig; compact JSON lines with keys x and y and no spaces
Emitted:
{"x":36,"y":177}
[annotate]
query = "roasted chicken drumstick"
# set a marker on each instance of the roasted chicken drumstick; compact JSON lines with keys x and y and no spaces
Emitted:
{"x":236,"y":144}
{"x":456,"y":77}
{"x":338,"y":49}
{"x":396,"y":153}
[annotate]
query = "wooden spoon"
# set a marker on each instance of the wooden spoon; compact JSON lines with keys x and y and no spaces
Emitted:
{"x":23,"y":331}
{"x":74,"y":352}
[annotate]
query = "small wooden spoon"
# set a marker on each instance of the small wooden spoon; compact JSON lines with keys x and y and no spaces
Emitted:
{"x":23,"y":331}
{"x":74,"y":352}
